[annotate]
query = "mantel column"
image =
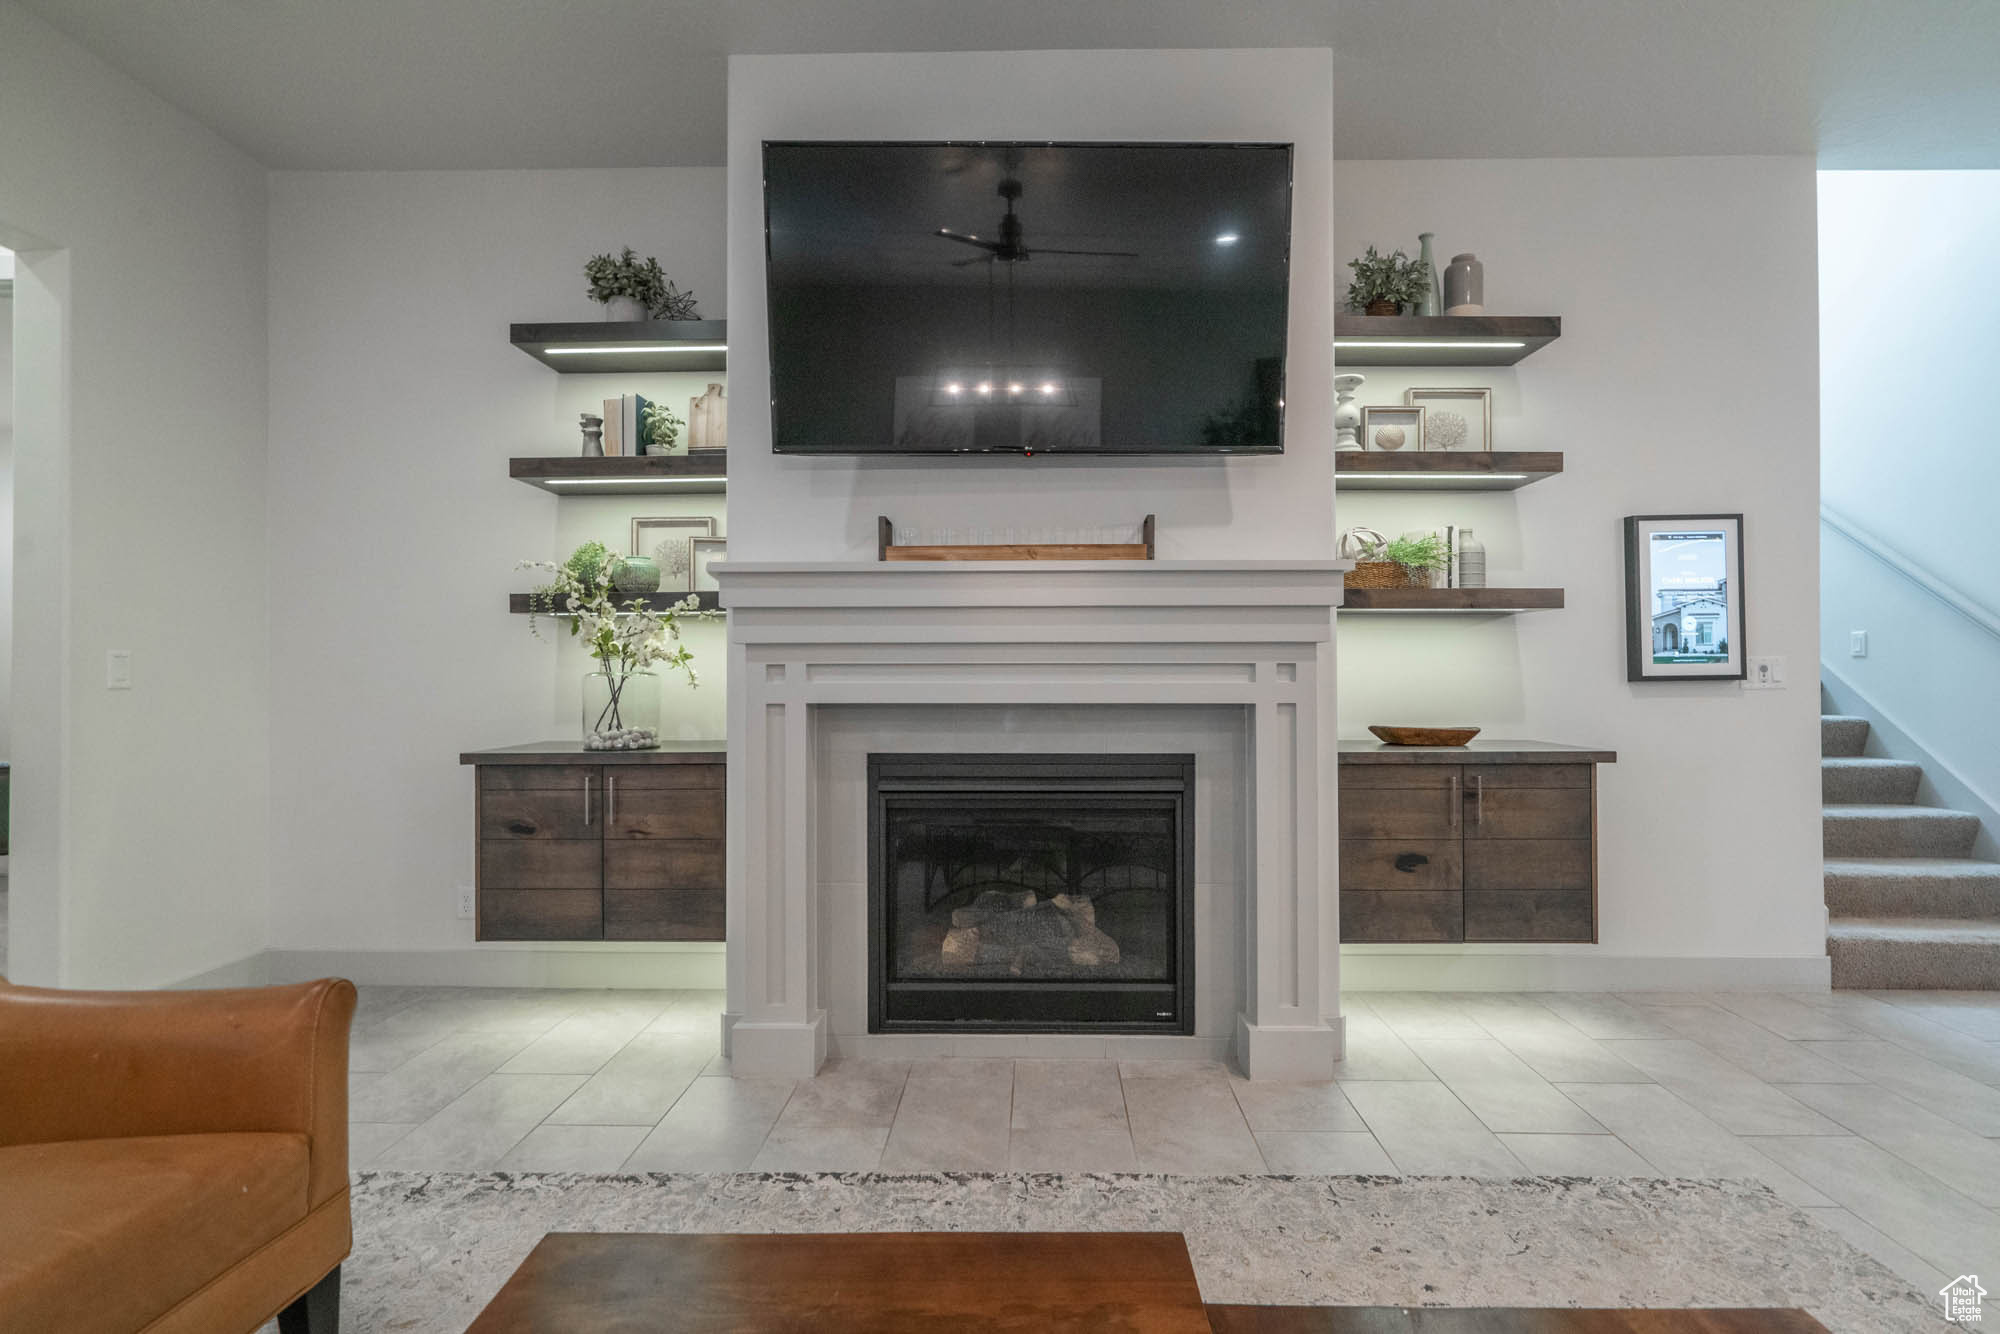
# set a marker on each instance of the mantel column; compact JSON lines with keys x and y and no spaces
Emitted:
{"x":1283,"y":1032}
{"x":774,"y":1024}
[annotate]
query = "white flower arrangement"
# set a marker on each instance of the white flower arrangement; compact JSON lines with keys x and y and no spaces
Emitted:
{"x":624,"y":639}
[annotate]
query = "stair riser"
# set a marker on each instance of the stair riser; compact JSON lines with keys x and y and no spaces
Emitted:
{"x":1911,"y":966}
{"x":1912,"y":895}
{"x":1913,"y":835}
{"x":1842,"y":736}
{"x":1872,"y":785}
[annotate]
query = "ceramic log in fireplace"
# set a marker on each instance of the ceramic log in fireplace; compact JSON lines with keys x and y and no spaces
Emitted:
{"x":1042,"y":893}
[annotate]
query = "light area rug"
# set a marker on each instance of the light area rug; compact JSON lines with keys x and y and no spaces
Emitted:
{"x":431,"y":1248}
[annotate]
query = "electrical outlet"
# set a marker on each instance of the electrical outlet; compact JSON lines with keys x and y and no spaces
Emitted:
{"x":465,"y":903}
{"x":118,"y":669}
{"x":1857,"y":643}
{"x":1765,"y":674}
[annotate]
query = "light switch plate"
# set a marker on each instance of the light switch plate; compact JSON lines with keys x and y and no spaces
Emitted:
{"x":1765,"y":674}
{"x":1857,"y":643}
{"x":118,"y":669}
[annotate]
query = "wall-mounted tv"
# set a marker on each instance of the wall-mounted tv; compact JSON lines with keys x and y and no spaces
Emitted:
{"x":1027,"y":298}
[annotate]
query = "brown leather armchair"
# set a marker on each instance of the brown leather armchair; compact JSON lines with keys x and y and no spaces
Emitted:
{"x":173,"y":1162}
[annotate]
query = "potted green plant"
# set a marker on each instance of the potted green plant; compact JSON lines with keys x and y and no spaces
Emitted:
{"x":621,"y":700}
{"x":1386,"y":284}
{"x":1420,"y":556}
{"x":659,"y":427}
{"x":627,"y":286}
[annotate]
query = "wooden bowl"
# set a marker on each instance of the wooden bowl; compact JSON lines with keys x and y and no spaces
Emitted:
{"x":1425,"y":736}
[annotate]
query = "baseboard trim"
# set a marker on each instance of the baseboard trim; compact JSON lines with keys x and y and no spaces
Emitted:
{"x":692,"y":967}
{"x":1941,"y":784}
{"x":1451,"y":968}
{"x":701,"y":968}
{"x":251,"y":971}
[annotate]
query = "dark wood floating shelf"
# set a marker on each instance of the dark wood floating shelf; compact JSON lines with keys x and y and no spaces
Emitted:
{"x":1452,"y":599}
{"x":706,"y":601}
{"x":702,"y":471}
{"x":1440,"y":340}
{"x":1505,"y":470}
{"x":598,"y":347}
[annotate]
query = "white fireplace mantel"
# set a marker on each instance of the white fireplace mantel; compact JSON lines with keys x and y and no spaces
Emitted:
{"x":1252,"y":633}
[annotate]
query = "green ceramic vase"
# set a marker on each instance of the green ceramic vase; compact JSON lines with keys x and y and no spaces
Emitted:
{"x":635,"y":574}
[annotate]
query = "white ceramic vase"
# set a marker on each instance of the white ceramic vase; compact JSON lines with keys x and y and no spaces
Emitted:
{"x":624,"y":308}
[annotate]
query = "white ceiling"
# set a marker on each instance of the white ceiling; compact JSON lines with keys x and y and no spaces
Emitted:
{"x":543,"y":83}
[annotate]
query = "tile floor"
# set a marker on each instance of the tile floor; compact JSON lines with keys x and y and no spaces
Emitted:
{"x":1878,"y":1112}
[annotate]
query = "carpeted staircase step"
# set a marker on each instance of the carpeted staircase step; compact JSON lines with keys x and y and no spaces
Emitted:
{"x":1857,"y":778}
{"x":1840,"y":735}
{"x":1912,"y":887}
{"x":1914,"y":953}
{"x":1897,"y":831}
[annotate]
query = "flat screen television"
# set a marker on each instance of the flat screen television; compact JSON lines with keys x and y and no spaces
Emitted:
{"x":1027,"y":298}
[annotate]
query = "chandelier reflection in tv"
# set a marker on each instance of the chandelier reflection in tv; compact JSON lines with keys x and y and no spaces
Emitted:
{"x":1002,"y":405}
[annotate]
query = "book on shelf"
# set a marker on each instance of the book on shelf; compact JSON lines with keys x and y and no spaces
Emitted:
{"x":613,"y":440}
{"x":1448,"y":576}
{"x":629,"y":408}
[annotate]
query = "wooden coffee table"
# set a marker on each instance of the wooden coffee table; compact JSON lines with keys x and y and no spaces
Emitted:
{"x":888,"y":1282}
{"x":627,"y":1282}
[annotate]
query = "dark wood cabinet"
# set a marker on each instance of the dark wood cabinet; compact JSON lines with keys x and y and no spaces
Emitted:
{"x":1468,"y":843}
{"x":627,"y":848}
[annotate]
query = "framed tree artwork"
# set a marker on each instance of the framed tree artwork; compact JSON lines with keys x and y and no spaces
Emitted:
{"x":666,"y":540}
{"x":1684,"y":606}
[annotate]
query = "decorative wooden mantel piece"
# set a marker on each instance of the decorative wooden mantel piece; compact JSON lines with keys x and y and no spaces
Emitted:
{"x":886,"y":548}
{"x":1252,"y":636}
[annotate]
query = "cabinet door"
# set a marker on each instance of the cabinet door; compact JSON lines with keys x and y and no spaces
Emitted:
{"x":1530,"y":854}
{"x":663,"y":852}
{"x":1400,"y":853}
{"x":541,"y":858}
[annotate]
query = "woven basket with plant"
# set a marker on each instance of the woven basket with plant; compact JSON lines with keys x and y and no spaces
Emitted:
{"x":1407,"y":562}
{"x":1377,"y":574}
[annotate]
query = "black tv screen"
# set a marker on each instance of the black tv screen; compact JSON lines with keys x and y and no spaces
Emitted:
{"x":1027,"y":298}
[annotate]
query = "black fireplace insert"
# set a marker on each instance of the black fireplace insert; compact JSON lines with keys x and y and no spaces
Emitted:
{"x":1031,"y":893}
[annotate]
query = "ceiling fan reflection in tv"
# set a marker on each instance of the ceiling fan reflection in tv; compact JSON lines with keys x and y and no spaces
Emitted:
{"x":1012,"y":247}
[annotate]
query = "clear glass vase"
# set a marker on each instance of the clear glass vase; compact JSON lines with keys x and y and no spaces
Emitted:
{"x":621,"y":711}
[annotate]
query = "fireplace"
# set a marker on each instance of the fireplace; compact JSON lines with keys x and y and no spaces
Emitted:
{"x":1031,"y":893}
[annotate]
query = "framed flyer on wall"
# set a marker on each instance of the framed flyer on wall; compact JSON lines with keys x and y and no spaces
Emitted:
{"x":1684,"y":618}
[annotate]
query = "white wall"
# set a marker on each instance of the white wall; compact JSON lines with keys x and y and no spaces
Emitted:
{"x":1908,"y":289}
{"x":1684,"y":382}
{"x":824,"y":509}
{"x":396,"y":401}
{"x":1910,"y":460}
{"x":6,"y":523}
{"x":139,"y":851}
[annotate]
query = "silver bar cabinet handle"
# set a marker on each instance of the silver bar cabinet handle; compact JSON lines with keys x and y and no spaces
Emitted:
{"x":1457,"y":806}
{"x":610,"y":799}
{"x":586,"y":799}
{"x":1478,"y":800}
